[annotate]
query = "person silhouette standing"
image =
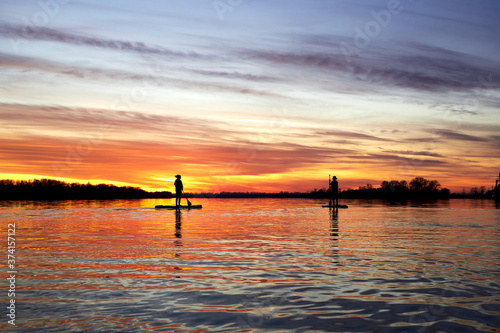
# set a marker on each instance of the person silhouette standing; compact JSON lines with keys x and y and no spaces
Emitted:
{"x":178,"y":190}
{"x":334,"y":188}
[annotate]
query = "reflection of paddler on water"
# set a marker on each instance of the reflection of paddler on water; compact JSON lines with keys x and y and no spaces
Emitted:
{"x":178,"y":226}
{"x":178,"y":237}
{"x":334,"y":235}
{"x":334,"y":193}
{"x":334,"y":219}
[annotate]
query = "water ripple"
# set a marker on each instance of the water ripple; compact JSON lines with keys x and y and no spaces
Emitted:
{"x":243,"y":266}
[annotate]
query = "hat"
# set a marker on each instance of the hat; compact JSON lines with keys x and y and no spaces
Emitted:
{"x":177,"y":176}
{"x":334,"y":177}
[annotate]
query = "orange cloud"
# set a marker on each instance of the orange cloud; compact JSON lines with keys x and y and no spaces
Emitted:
{"x":147,"y":150}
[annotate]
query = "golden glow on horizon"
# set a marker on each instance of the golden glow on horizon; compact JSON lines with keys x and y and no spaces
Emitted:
{"x":293,"y":182}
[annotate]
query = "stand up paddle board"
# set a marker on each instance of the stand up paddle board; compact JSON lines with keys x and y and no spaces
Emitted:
{"x":339,"y":206}
{"x":179,"y":207}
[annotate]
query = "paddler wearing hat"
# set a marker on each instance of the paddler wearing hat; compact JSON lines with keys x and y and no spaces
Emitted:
{"x":178,"y":190}
{"x":334,"y":188}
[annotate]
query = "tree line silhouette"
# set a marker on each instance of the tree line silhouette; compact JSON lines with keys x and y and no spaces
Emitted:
{"x":478,"y":193}
{"x":418,"y":188}
{"x":49,"y":189}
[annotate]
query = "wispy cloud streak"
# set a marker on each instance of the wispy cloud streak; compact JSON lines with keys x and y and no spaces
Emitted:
{"x":94,"y":73}
{"x":53,"y":35}
{"x":455,"y":135}
{"x":416,"y":66}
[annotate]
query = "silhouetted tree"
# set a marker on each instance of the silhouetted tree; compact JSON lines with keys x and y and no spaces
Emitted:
{"x":50,"y":189}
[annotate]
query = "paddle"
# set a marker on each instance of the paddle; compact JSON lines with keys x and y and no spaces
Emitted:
{"x":189,"y":202}
{"x":330,"y":203}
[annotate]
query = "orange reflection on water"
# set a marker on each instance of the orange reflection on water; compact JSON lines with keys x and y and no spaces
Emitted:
{"x":235,"y":256}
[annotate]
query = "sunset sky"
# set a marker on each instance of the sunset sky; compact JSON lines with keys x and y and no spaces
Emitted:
{"x":250,"y":95}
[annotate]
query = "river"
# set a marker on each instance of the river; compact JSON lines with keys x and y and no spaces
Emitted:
{"x":253,"y":265}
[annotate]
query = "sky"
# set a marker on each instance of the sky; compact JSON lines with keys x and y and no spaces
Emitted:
{"x":250,"y":95}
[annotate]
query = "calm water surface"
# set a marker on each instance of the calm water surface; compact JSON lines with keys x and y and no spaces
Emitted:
{"x":255,"y":266}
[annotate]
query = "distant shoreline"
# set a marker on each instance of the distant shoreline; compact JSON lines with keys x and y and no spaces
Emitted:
{"x":47,"y":189}
{"x":248,"y":198}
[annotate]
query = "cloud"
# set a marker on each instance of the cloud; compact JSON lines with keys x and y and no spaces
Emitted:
{"x":138,"y":160}
{"x":133,"y":146}
{"x":434,"y":139}
{"x":396,"y":160}
{"x":454,"y":135}
{"x":53,"y":35}
{"x":141,"y":148}
{"x":415,"y":153}
{"x":495,"y":140}
{"x":414,"y":66}
{"x":156,"y":78}
{"x":238,"y":76}
{"x":94,"y":122}
{"x":195,"y":141}
{"x":350,"y":135}
{"x":410,"y":66}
